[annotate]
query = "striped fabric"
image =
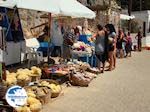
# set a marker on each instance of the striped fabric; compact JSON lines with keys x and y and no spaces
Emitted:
{"x":69,"y":35}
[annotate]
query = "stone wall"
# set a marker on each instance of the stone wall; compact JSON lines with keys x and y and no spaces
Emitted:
{"x":110,"y":14}
{"x":30,"y":19}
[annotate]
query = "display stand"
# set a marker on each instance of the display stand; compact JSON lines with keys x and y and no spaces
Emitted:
{"x":78,"y":54}
{"x":12,"y":40}
{"x":83,"y":55}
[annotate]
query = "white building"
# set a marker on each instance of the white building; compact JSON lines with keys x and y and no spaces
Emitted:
{"x":143,"y":18}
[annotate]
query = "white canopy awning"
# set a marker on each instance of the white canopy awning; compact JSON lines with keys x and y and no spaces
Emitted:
{"x":39,"y":5}
{"x":63,"y":7}
{"x":7,"y":4}
{"x":75,"y":9}
{"x":126,"y":17}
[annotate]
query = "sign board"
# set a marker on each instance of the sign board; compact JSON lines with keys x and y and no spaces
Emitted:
{"x":16,"y":96}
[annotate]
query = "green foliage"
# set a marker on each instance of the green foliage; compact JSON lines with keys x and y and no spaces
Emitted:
{"x":134,"y":25}
{"x":123,"y":3}
{"x":124,"y":24}
{"x":145,"y":4}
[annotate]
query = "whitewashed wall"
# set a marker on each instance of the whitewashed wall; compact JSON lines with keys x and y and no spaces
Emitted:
{"x":148,"y":40}
{"x":145,"y":40}
{"x":143,"y":16}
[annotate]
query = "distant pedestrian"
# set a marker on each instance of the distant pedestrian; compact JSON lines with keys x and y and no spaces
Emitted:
{"x":139,"y":40}
{"x":120,"y":40}
{"x":124,"y":43}
{"x":128,"y":45}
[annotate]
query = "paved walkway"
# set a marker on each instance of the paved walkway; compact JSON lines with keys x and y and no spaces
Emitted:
{"x":127,"y":89}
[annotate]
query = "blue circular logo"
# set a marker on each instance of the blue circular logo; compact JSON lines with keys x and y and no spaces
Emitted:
{"x":16,"y":96}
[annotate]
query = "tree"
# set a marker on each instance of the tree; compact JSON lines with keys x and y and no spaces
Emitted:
{"x":123,"y":3}
{"x":144,"y":4}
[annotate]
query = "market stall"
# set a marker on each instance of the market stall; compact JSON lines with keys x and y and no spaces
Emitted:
{"x":41,"y":91}
{"x":75,"y":9}
{"x":80,"y":49}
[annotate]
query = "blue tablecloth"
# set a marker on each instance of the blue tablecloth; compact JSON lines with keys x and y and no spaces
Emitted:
{"x":84,"y":38}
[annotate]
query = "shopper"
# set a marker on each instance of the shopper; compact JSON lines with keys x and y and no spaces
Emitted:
{"x":124,"y":43}
{"x":139,"y":40}
{"x":76,"y":32}
{"x":111,"y":46}
{"x":120,"y":40}
{"x":101,"y":47}
{"x":128,"y":45}
{"x":69,"y":38}
{"x":56,"y":39}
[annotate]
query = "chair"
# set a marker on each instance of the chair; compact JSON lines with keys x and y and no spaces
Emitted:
{"x":39,"y":57}
{"x":33,"y":55}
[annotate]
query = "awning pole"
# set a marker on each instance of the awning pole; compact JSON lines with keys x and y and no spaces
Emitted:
{"x":49,"y":35}
{"x":15,"y":8}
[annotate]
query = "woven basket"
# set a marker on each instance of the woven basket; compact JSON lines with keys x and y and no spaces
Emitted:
{"x":45,"y":98}
{"x":3,"y":90}
{"x":60,"y":74}
{"x":23,"y":83}
{"x":32,"y":111}
{"x":35,"y":78}
{"x":37,"y":111}
{"x":77,"y":82}
{"x":53,"y":94}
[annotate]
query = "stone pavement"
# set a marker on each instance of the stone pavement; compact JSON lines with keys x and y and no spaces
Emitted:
{"x":126,"y":89}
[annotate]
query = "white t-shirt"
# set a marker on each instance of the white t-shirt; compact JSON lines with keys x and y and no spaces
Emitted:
{"x":57,"y":37}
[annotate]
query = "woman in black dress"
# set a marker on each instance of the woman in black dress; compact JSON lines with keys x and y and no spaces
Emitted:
{"x":128,"y":45}
{"x":120,"y":44}
{"x":111,"y":46}
{"x":139,"y":40}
